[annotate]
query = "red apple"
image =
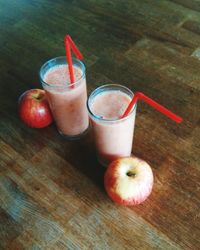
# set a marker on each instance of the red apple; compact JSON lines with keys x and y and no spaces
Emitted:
{"x":34,"y":109}
{"x":128,"y":181}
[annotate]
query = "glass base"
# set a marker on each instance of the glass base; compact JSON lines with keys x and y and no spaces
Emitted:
{"x":105,"y":162}
{"x":74,"y":137}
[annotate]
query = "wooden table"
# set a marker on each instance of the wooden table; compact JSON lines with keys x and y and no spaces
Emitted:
{"x":51,"y":189}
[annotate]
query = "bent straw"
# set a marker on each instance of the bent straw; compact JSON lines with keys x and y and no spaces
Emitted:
{"x":69,"y":44}
{"x":160,"y":108}
{"x":69,"y":60}
{"x":74,"y":48}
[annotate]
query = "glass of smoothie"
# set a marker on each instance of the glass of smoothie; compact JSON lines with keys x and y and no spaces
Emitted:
{"x":113,"y":135}
{"x":67,"y":101}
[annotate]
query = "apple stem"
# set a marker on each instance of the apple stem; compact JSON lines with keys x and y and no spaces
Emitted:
{"x":38,"y":96}
{"x":129,"y":173}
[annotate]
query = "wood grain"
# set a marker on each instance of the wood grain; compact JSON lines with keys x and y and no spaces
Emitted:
{"x":51,"y":190}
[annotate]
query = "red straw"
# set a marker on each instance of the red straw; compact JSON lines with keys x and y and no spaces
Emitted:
{"x":69,"y":60}
{"x":69,"y":44}
{"x":74,"y":48}
{"x":140,"y":95}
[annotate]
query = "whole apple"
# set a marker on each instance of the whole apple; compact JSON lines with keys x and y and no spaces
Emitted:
{"x":128,"y":181}
{"x":34,"y":109}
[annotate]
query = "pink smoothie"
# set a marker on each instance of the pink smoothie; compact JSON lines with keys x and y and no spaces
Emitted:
{"x":68,"y":104}
{"x":113,"y":136}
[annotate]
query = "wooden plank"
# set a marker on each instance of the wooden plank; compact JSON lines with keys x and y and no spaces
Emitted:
{"x":192,"y":25}
{"x":92,"y":229}
{"x":51,"y":190}
{"x":9,"y":229}
{"x":191,"y":4}
{"x":26,"y":212}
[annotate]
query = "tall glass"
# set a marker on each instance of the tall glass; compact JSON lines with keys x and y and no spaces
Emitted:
{"x":67,"y":102}
{"x":113,"y":137}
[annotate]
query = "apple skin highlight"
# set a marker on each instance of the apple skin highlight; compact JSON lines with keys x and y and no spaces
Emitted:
{"x":128,"y":181}
{"x":34,"y":109}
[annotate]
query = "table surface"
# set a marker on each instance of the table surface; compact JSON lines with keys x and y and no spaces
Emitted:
{"x":51,"y":189}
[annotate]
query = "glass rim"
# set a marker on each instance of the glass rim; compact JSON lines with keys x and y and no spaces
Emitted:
{"x":83,"y":69}
{"x":96,"y":117}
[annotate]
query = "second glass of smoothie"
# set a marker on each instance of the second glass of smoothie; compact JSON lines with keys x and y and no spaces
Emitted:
{"x":113,"y":135}
{"x":67,"y":101}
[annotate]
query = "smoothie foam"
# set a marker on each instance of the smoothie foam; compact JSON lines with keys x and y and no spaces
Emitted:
{"x":59,"y":75}
{"x":110,"y":105}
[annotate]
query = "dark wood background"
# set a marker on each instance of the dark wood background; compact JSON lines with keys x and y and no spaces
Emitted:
{"x":51,"y":190}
